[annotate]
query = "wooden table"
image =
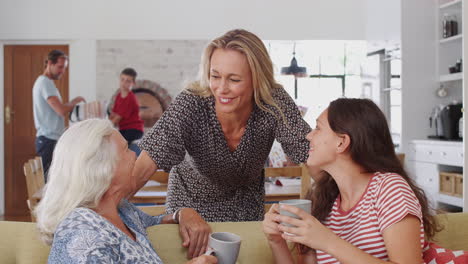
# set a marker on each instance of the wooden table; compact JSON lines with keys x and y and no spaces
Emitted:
{"x":156,"y":193}
{"x":152,"y":193}
{"x":275,"y":193}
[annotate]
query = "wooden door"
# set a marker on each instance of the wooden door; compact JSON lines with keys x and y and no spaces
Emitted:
{"x":22,"y":65}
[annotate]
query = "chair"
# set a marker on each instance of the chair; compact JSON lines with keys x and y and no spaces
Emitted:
{"x":292,"y":171}
{"x":34,"y":173}
{"x":401,"y":157}
{"x":160,"y":176}
{"x":153,"y":194}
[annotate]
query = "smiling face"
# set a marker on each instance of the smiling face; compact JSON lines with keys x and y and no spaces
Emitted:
{"x":123,"y":172}
{"x":231,"y":81}
{"x":324,"y":143}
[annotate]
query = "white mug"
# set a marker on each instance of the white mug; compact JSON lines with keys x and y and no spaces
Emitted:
{"x":303,"y":204}
{"x":225,"y":247}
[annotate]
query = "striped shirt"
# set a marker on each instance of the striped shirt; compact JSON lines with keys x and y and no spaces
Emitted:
{"x":387,"y":200}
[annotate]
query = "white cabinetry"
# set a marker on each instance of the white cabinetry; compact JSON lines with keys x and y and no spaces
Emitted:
{"x":426,"y":176}
{"x":439,"y":152}
{"x":426,"y":158}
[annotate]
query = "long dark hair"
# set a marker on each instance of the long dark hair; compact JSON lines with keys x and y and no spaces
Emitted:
{"x":371,"y":147}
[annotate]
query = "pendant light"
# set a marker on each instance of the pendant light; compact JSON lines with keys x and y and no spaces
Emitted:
{"x":294,"y":69}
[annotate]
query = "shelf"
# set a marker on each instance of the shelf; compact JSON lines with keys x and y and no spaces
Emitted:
{"x":450,"y":39}
{"x":451,"y":77}
{"x":388,"y":89}
{"x":452,"y":200}
{"x":392,"y":58}
{"x":450,"y":4}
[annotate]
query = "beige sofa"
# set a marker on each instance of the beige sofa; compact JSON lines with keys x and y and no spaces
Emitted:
{"x":20,"y":244}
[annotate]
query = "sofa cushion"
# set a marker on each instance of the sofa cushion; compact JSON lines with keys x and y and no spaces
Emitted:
{"x":254,"y":246}
{"x":434,"y":254}
{"x":20,"y":244}
{"x":455,"y":233}
{"x":20,"y":241}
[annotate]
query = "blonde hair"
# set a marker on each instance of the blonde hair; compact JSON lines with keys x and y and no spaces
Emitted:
{"x":82,"y":168}
{"x":259,"y":61}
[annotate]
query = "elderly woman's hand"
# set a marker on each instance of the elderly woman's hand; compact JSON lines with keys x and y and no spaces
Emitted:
{"x":194,"y":231}
{"x":204,"y":260}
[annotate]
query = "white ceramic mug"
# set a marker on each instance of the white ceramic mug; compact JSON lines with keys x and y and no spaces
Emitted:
{"x":303,"y":204}
{"x":225,"y":247}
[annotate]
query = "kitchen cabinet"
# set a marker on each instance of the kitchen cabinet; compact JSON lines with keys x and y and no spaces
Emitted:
{"x":437,"y":151}
{"x":426,"y":159}
{"x":425,"y":175}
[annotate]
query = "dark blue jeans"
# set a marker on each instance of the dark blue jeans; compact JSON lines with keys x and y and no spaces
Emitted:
{"x":45,"y":149}
{"x":131,"y":134}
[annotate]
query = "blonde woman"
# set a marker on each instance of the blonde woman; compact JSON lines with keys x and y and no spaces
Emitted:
{"x":84,"y":215}
{"x":217,"y":134}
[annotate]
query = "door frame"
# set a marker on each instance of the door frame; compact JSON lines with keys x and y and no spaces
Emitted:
{"x":2,"y":102}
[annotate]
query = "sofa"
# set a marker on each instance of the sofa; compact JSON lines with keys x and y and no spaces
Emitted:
{"x":20,"y":243}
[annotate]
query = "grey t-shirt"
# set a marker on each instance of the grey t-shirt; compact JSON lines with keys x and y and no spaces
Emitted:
{"x":48,"y":123}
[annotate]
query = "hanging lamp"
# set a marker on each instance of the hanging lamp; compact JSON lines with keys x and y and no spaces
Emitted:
{"x":294,"y":69}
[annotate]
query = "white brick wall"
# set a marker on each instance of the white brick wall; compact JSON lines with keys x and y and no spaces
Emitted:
{"x":171,"y":63}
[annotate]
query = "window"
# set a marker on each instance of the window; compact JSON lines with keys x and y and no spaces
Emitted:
{"x":333,"y":68}
{"x":383,"y":71}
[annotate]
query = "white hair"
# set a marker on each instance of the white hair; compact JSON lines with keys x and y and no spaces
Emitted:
{"x":82,"y":168}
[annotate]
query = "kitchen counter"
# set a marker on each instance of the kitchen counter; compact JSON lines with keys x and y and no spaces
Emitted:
{"x":438,"y":142}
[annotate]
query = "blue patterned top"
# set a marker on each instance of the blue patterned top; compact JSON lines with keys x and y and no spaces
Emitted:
{"x":86,"y":237}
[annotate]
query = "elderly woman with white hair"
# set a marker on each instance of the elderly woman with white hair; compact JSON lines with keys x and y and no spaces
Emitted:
{"x":84,"y":214}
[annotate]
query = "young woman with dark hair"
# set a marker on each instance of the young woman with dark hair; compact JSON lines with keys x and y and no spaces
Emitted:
{"x":365,"y":208}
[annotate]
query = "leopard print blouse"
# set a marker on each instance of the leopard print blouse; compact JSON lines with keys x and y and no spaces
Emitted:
{"x":222,"y":185}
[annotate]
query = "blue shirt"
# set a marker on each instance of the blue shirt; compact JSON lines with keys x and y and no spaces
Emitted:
{"x":86,"y":237}
{"x":48,"y":123}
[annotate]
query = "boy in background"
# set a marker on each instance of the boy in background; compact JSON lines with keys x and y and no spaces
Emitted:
{"x":125,"y":113}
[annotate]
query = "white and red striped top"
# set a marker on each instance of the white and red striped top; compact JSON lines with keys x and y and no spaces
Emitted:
{"x":387,"y":200}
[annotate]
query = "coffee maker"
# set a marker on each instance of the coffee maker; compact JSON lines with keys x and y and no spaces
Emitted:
{"x":450,"y":117}
{"x":445,"y":120}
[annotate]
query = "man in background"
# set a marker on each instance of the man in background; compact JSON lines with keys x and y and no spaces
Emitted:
{"x":49,"y":110}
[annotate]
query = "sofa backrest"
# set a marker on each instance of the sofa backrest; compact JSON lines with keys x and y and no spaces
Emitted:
{"x":255,"y":249}
{"x":20,"y":242}
{"x":254,"y":246}
{"x":455,"y":233}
